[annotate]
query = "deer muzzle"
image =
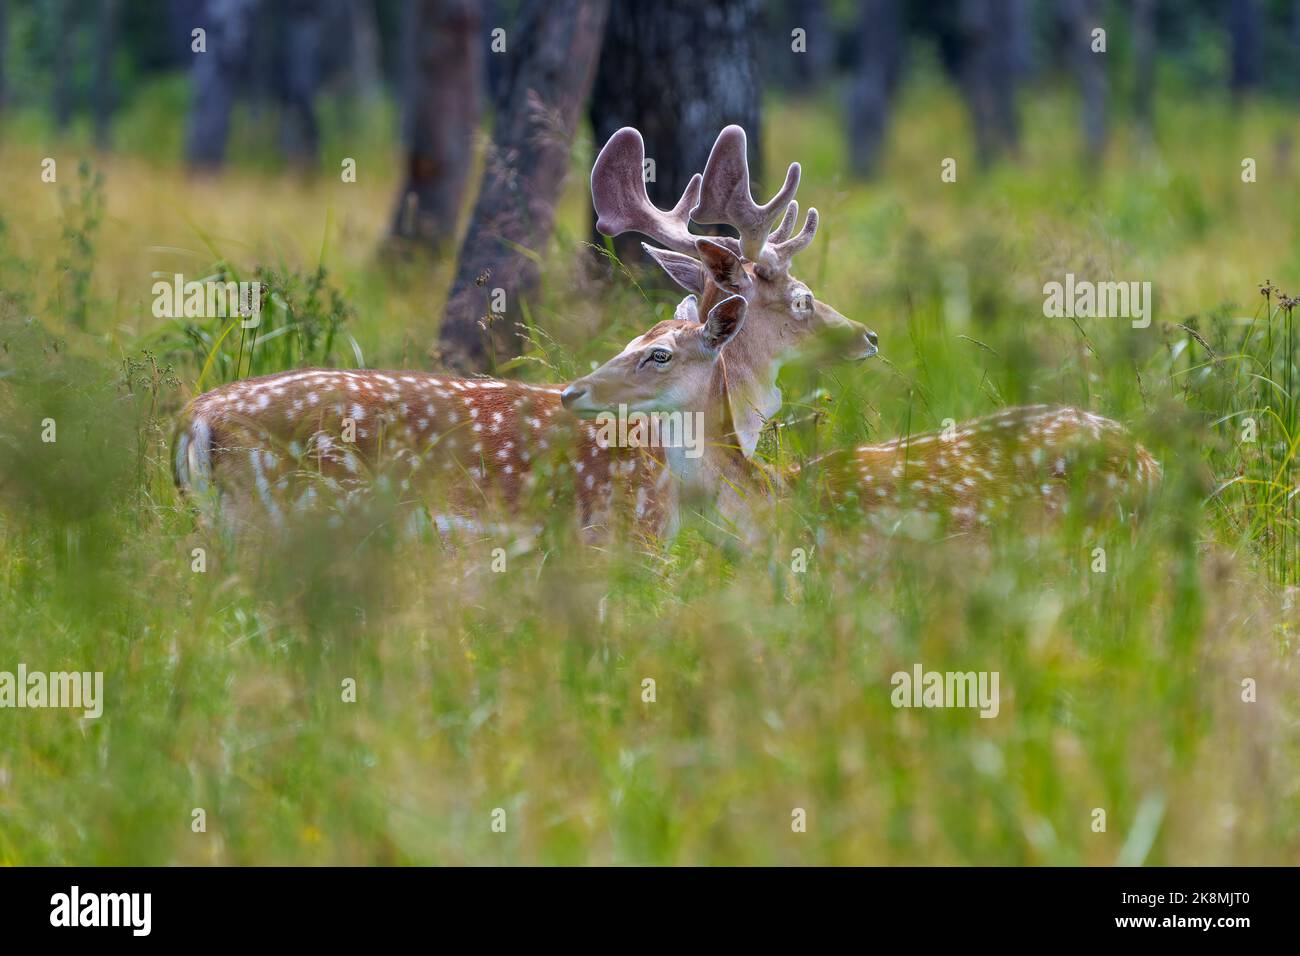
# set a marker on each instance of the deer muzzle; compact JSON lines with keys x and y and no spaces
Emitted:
{"x":571,"y":398}
{"x":851,"y":340}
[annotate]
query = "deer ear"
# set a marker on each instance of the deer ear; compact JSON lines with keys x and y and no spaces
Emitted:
{"x":684,"y":270}
{"x":725,"y":320}
{"x":724,"y":266}
{"x":688,"y":310}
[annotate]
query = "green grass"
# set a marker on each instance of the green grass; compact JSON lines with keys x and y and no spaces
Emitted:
{"x":523,"y":690}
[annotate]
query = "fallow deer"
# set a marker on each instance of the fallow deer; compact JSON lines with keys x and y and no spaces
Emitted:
{"x":959,"y":479}
{"x":268,"y":445}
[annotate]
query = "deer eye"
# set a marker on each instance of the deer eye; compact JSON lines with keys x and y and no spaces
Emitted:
{"x":659,"y":356}
{"x":803,"y":302}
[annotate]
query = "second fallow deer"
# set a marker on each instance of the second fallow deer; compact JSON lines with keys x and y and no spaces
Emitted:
{"x":1033,"y":457}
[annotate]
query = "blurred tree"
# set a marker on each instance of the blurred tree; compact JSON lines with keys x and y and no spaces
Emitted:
{"x":105,"y":49}
{"x":1295,"y":27}
{"x":1079,"y":18}
{"x":1144,"y":65}
{"x":555,"y":47}
{"x":299,"y":132}
{"x":813,"y":62}
{"x":679,"y":71}
{"x":991,"y":64}
{"x":214,"y":77}
{"x":443,"y":103}
{"x":4,"y":43}
{"x":876,"y":72}
{"x":1244,"y":28}
{"x":366,"y":75}
{"x":65,"y":32}
{"x":352,"y":54}
{"x":500,"y":14}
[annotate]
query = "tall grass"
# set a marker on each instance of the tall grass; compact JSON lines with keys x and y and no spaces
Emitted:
{"x":1247,"y":368}
{"x":81,"y":220}
{"x":302,"y":321}
{"x":526,"y":691}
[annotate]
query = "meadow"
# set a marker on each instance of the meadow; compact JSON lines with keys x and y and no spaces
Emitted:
{"x":524,"y":691}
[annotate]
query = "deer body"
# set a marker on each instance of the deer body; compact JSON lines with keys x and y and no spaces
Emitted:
{"x":984,"y":468}
{"x":281,"y":443}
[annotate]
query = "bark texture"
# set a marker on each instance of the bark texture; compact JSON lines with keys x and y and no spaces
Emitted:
{"x":555,"y":47}
{"x":679,"y":71}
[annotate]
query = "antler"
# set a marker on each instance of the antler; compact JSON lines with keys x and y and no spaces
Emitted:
{"x":720,"y":197}
{"x":725,"y":198}
{"x":784,"y":249}
{"x":622,"y":205}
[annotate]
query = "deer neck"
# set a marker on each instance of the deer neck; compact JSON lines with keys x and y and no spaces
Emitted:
{"x":721,"y":466}
{"x":752,"y":396}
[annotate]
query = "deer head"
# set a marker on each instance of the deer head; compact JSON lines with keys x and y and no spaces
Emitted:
{"x":676,"y":367}
{"x":672,"y":367}
{"x":782,"y":314}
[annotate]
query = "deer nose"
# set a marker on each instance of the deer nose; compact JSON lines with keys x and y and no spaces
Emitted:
{"x":572,"y":394}
{"x":872,"y":345}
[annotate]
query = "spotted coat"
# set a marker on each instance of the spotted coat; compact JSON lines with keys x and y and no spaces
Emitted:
{"x":969,"y":474}
{"x":266,"y":447}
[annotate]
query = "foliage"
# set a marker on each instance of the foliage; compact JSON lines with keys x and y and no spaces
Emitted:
{"x":524,"y":690}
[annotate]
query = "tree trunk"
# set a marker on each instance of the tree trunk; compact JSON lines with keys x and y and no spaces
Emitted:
{"x":1295,"y":27}
{"x":500,"y":69}
{"x":214,"y":76}
{"x":557,"y":44}
{"x":300,"y":133}
{"x":1144,"y":65}
{"x":108,"y":10}
{"x":679,"y":71}
{"x":875,"y":79}
{"x":1244,"y":27}
{"x":365,"y":73}
{"x":1080,"y":17}
{"x":990,"y":70}
{"x":443,"y":92}
{"x":809,"y":68}
{"x":66,"y":35}
{"x":4,"y":43}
